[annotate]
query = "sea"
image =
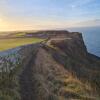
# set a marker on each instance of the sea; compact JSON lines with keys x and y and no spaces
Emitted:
{"x":91,"y":36}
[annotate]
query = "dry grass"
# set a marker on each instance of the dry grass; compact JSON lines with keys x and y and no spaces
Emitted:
{"x":12,"y":43}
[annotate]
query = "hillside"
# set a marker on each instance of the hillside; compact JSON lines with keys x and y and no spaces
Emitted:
{"x":37,"y":34}
{"x":59,"y":68}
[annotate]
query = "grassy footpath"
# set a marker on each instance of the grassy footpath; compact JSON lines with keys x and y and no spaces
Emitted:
{"x":12,"y":43}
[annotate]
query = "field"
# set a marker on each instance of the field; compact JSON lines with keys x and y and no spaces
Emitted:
{"x":15,"y":42}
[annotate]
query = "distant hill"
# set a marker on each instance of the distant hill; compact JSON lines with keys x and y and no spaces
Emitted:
{"x":37,"y":34}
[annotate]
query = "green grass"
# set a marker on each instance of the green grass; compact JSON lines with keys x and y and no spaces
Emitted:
{"x":12,"y":43}
{"x":19,"y":34}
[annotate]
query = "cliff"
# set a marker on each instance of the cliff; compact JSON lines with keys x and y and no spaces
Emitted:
{"x":59,"y":68}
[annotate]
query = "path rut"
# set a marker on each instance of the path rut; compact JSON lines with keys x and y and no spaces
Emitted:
{"x":26,"y":79}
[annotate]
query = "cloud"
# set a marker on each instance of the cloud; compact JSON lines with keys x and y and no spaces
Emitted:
{"x":95,"y":22}
{"x":28,"y":14}
{"x":34,"y":24}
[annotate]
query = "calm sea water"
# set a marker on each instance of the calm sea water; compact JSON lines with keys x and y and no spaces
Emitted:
{"x":91,"y":36}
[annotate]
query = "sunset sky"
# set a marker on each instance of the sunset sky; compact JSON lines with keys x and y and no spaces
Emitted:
{"x":48,"y":14}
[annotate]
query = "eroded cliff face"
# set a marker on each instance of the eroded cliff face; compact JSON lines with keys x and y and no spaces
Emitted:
{"x":59,"y":68}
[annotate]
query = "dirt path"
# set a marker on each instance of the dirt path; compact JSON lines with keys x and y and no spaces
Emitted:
{"x":26,"y":81}
{"x":57,"y":39}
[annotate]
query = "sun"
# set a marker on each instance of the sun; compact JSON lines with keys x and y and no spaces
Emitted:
{"x":3,"y":24}
{"x":1,"y":20}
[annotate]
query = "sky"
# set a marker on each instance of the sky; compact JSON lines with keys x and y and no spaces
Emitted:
{"x":48,"y":14}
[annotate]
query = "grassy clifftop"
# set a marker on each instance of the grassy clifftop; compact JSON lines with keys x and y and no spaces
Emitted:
{"x":57,"y":69}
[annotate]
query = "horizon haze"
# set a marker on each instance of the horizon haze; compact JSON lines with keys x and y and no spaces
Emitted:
{"x":48,"y":14}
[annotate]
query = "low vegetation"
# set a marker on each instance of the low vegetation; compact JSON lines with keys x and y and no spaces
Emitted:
{"x":54,"y":71}
{"x":15,"y":42}
{"x":9,"y":85}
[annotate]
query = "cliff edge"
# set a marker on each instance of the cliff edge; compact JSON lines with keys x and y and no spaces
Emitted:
{"x":60,"y":68}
